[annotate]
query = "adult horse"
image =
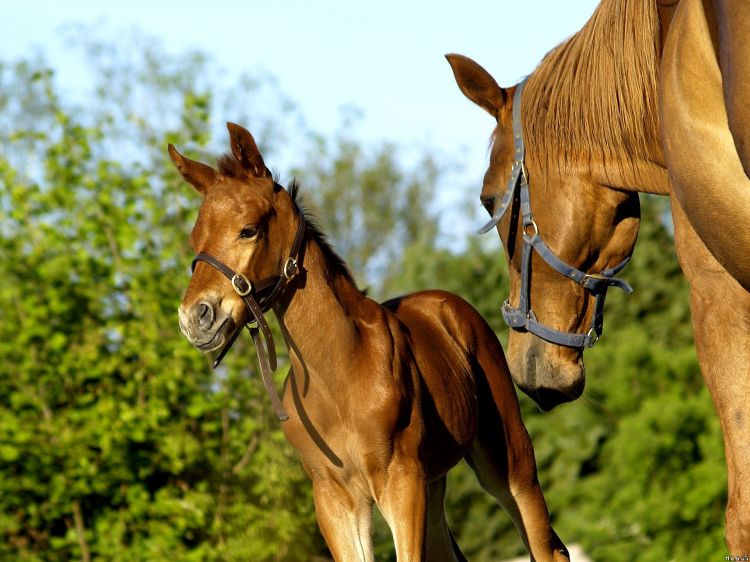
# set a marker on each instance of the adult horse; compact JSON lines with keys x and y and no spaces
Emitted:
{"x":382,"y":399}
{"x":647,"y":97}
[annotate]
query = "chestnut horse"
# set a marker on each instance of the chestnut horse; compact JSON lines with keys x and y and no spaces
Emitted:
{"x":382,"y":399}
{"x":647,"y":97}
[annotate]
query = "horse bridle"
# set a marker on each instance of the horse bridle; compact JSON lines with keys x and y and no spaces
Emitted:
{"x":522,"y":317}
{"x":260,"y":298}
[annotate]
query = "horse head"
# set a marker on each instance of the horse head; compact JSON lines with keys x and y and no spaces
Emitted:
{"x":241,"y":207}
{"x":582,"y":227}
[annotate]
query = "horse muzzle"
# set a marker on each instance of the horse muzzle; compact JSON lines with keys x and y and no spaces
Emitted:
{"x":205,"y":325}
{"x":549,"y":374}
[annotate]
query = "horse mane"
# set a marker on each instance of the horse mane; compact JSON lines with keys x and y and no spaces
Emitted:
{"x":596,"y":93}
{"x":335,"y":262}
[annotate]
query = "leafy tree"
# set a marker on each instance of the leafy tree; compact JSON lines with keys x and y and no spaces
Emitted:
{"x":370,"y":206}
{"x":116,"y":439}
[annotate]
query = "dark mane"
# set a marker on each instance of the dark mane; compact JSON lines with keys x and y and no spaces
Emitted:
{"x":336,"y":262}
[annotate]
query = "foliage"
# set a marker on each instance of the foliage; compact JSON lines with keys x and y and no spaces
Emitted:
{"x":117,"y":441}
{"x":371,"y":207}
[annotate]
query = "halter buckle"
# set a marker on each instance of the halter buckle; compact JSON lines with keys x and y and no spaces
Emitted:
{"x":592,"y":336}
{"x":240,"y":289}
{"x":290,"y":269}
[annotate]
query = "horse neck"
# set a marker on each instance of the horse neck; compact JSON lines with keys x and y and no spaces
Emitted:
{"x":319,"y":315}
{"x":592,"y":101}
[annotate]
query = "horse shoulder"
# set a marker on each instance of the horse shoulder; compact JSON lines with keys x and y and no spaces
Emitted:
{"x":705,"y":169}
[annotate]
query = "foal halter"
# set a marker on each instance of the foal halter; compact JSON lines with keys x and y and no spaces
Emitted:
{"x":523,"y":317}
{"x":259,"y":299}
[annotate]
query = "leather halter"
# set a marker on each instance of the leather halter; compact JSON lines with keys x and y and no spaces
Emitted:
{"x":523,"y":317}
{"x":259,"y":299}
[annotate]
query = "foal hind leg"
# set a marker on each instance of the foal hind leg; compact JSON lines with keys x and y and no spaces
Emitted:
{"x":441,"y":546}
{"x":502,"y":457}
{"x":345,"y":522}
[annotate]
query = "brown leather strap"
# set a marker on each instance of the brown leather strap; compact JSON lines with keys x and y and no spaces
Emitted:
{"x":265,"y":328}
{"x":266,"y":373}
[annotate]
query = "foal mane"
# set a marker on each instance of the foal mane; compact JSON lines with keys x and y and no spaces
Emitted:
{"x":335,"y":261}
{"x":596,"y":93}
{"x":230,"y":166}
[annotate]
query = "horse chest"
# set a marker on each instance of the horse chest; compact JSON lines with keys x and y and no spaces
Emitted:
{"x":346,"y":431}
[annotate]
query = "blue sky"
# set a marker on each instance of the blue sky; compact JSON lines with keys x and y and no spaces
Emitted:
{"x":384,"y":57}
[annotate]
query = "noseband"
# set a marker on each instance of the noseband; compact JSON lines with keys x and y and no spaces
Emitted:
{"x":523,"y":317}
{"x":260,"y":298}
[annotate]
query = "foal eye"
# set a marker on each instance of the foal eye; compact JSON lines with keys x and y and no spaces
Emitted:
{"x":488,"y":203}
{"x":249,"y":231}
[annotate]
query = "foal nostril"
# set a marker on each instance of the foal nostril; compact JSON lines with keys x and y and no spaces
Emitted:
{"x":204,"y":314}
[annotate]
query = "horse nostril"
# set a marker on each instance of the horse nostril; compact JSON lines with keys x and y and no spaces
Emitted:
{"x":204,"y":314}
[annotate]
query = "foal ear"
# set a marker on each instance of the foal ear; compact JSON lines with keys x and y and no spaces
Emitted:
{"x":199,"y":175}
{"x":246,"y":151}
{"x":477,"y":84}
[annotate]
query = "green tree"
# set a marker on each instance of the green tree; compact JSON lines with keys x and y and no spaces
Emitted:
{"x":117,"y":441}
{"x":371,"y":207}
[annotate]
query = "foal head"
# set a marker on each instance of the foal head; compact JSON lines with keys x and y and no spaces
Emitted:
{"x":247,"y":221}
{"x":588,"y":227}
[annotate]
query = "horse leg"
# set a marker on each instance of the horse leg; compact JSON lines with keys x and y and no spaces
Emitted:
{"x":345,"y":522}
{"x":720,"y":310}
{"x":403,"y":503}
{"x":502,"y":456}
{"x":441,"y":546}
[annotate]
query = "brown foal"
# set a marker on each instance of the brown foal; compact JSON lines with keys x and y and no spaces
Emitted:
{"x":382,"y":399}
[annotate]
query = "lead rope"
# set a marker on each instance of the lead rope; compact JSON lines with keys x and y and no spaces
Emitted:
{"x":266,"y":350}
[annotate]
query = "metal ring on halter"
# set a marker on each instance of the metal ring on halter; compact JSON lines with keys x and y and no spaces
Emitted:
{"x":240,"y":277}
{"x":290,"y":269}
{"x":592,"y":337}
{"x":534,"y":233}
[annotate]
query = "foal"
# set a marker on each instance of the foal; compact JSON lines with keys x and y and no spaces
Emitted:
{"x":382,"y":399}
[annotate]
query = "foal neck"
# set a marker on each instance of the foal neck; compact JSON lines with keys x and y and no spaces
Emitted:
{"x":320,"y":312}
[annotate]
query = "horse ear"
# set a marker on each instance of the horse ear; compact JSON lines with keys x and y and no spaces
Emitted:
{"x":200,"y":176}
{"x":477,"y":84}
{"x":246,"y":151}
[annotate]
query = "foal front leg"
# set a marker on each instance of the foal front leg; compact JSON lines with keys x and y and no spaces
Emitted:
{"x":345,"y":520}
{"x":403,"y":503}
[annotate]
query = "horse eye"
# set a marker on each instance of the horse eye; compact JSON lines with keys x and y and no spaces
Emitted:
{"x":249,"y":231}
{"x":488,"y":203}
